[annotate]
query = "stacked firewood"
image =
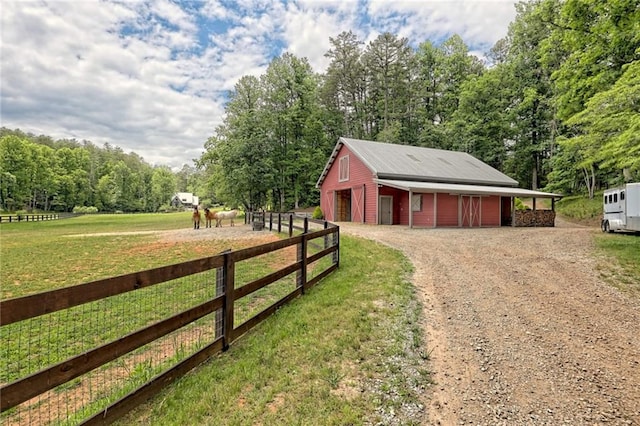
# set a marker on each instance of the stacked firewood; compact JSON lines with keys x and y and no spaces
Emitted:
{"x":535,"y":217}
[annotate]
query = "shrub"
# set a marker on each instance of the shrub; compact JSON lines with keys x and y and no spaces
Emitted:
{"x":317,"y":213}
{"x":520,"y":205}
{"x":85,"y":209}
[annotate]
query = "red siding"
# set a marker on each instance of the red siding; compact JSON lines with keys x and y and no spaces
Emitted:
{"x":398,"y":196}
{"x":357,"y":204}
{"x":364,"y":193}
{"x":491,"y":211}
{"x":447,"y":210}
{"x":360,"y":182}
{"x":422,"y":218}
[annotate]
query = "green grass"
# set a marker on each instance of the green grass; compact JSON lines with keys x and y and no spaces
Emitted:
{"x":580,"y":208}
{"x":620,"y":263}
{"x":348,"y":352}
{"x":40,"y":256}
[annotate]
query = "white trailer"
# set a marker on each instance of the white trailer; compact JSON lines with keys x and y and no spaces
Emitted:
{"x":622,"y":209}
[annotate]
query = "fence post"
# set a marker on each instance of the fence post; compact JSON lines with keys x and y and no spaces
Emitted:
{"x":290,"y":225}
{"x":220,"y":280}
{"x":326,"y":237}
{"x":227,"y":284}
{"x":306,"y":224}
{"x":279,"y":223}
{"x":336,"y":242}
{"x":301,"y":274}
{"x":270,"y":221}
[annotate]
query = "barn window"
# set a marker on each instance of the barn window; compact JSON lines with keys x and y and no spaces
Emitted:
{"x":416,"y":203}
{"x":344,"y":169}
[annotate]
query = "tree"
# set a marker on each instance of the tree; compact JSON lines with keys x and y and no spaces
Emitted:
{"x":343,"y":83}
{"x":15,"y":171}
{"x":483,"y":123}
{"x":532,"y":105}
{"x":163,"y":186}
{"x":610,"y":126}
{"x":388,"y":62}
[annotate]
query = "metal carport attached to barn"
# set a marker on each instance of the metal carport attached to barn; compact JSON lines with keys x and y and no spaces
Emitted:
{"x":462,"y":205}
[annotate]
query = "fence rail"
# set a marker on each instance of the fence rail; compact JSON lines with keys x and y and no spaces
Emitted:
{"x":217,"y":312}
{"x":28,"y":217}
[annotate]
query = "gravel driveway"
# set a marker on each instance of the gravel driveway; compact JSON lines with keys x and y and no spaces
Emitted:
{"x":520,"y":327}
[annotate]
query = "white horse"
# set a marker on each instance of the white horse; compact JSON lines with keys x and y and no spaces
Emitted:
{"x":231,"y":214}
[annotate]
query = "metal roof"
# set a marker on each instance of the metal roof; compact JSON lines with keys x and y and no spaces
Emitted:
{"x":464,"y":189}
{"x":405,"y":162}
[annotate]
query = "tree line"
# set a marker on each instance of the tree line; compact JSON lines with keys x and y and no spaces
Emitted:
{"x":40,"y":173}
{"x":555,"y":105}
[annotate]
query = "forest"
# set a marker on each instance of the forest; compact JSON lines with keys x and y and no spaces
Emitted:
{"x":555,"y":105}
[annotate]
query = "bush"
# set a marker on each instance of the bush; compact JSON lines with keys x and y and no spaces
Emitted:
{"x":317,"y":213}
{"x":85,"y":209}
{"x":167,"y":208}
{"x":520,"y":205}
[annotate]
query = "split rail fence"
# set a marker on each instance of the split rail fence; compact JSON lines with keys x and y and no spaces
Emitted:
{"x":28,"y":217}
{"x":89,"y":353}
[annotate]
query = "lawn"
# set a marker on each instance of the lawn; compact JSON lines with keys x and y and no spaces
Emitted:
{"x":350,"y":350}
{"x":620,"y":252}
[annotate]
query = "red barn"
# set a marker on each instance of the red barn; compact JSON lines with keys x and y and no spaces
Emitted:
{"x":381,"y":183}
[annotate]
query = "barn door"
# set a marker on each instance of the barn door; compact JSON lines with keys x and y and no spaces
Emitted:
{"x":386,"y":210}
{"x":470,"y":211}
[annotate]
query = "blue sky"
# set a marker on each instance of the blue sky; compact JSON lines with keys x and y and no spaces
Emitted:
{"x":151,"y":76}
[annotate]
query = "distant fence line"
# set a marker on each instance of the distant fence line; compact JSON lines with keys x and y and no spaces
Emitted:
{"x":28,"y":217}
{"x":91,"y":352}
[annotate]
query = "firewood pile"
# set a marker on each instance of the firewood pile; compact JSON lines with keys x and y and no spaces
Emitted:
{"x":527,"y":218}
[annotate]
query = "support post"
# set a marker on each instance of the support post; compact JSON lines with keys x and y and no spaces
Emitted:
{"x":290,"y":225}
{"x":301,"y":274}
{"x":410,"y":209}
{"x":336,"y":243}
{"x":229,"y":266}
{"x":279,"y":223}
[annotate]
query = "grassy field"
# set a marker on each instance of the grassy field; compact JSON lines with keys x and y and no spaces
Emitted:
{"x":620,"y":252}
{"x":349,"y":351}
{"x":40,"y":256}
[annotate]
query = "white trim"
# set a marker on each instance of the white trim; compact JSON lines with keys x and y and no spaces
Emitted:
{"x":390,"y":197}
{"x":411,"y":209}
{"x":452,"y":188}
{"x":341,"y":177}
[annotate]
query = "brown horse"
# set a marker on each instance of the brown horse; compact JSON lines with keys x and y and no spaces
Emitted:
{"x":208,"y":217}
{"x":231,"y":214}
{"x":196,"y":218}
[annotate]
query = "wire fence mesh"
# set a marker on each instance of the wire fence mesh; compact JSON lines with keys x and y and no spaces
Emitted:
{"x":29,"y":346}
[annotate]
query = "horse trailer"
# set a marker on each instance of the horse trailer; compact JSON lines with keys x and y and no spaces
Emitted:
{"x":622,"y":209}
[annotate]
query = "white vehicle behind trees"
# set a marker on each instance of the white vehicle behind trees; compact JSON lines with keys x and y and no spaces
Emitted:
{"x":622,"y":209}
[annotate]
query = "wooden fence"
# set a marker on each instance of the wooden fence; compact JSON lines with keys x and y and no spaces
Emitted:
{"x":26,"y":399}
{"x":28,"y":217}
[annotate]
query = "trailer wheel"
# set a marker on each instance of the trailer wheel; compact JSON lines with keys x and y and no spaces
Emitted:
{"x":606,"y":227}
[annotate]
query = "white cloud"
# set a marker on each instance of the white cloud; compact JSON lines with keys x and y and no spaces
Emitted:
{"x":480,"y":23}
{"x":308,"y":26}
{"x":151,"y":76}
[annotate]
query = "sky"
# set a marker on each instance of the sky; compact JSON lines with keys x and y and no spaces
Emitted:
{"x":152,"y":77}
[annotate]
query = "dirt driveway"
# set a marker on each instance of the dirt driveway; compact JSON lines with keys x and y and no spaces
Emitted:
{"x":520,"y":327}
